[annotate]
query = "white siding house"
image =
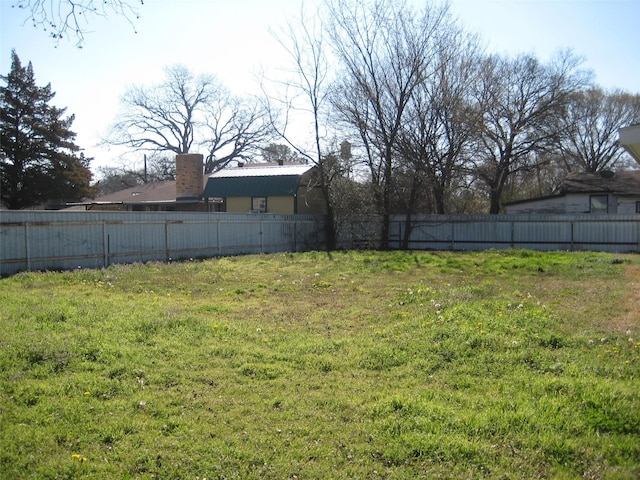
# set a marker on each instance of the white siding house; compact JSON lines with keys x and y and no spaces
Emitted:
{"x":596,"y":193}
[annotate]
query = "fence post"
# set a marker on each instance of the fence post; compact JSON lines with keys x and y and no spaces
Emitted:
{"x":166,"y":241}
{"x":261,"y":236}
{"x":27,"y":249}
{"x":512,"y":234}
{"x":572,"y":235}
{"x":105,"y":245}
{"x":453,"y":235}
{"x":218,"y":237}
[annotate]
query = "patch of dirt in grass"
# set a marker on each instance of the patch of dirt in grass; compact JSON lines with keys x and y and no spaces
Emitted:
{"x":630,"y":319}
{"x":612,"y":304}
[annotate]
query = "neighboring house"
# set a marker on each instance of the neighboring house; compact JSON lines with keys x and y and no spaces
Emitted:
{"x":149,"y":197}
{"x":265,"y":188}
{"x":595,"y":193}
{"x":259,"y":188}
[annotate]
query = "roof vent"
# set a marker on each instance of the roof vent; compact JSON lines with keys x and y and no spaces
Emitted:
{"x":606,"y":174}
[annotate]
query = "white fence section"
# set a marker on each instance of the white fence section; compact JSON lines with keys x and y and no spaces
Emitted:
{"x":40,"y":240}
{"x":608,"y":233}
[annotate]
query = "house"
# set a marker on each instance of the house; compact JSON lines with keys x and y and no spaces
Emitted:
{"x":260,"y":188}
{"x":596,"y":193}
{"x":265,"y":188}
{"x":148,"y":197}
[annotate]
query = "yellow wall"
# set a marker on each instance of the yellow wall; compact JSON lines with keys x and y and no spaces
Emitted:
{"x":283,"y":205}
{"x":306,"y":202}
{"x":239,"y":204}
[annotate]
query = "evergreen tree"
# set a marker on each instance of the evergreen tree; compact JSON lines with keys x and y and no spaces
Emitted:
{"x":39,"y":161}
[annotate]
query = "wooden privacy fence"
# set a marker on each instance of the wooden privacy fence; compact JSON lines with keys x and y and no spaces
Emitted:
{"x":38,"y":240}
{"x":608,"y":233}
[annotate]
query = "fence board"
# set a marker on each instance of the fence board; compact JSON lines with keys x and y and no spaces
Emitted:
{"x":611,"y":233}
{"x":31,"y":240}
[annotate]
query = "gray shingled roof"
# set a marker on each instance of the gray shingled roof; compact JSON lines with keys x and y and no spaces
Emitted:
{"x":620,"y":183}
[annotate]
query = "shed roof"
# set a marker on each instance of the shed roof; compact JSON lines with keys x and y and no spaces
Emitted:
{"x":263,"y":181}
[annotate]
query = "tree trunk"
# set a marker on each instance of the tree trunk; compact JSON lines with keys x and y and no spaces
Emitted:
{"x":386,"y":202}
{"x":438,"y":198}
{"x":497,"y":185}
{"x":331,"y":237}
{"x":494,"y":198}
{"x":408,"y":223}
{"x":408,"y":226}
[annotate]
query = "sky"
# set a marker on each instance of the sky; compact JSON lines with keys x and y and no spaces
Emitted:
{"x":231,"y":39}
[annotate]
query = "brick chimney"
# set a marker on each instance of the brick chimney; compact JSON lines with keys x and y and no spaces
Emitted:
{"x":189,"y":176}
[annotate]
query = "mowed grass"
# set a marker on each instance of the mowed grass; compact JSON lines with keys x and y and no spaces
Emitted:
{"x":367,"y":365}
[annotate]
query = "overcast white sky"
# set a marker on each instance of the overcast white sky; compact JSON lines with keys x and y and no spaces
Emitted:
{"x":231,"y":40}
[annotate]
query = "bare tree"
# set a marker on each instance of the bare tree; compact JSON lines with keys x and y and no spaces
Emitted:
{"x":184,"y":112}
{"x":233,"y":129}
{"x":522,"y":100}
{"x":157,"y":167}
{"x":280,"y":153}
{"x":384,"y":51}
{"x":442,"y":118}
{"x":165,"y":117}
{"x":61,"y":18}
{"x":587,"y":141}
{"x":590,"y":129}
{"x":112,"y":179}
{"x":305,"y":97}
{"x":546,"y":173}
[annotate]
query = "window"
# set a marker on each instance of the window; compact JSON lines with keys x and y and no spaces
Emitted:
{"x":637,"y":207}
{"x":598,"y":204}
{"x":258,"y":204}
{"x":217,"y":205}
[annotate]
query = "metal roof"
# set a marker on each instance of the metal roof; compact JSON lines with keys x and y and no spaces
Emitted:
{"x":262,"y":171}
{"x":252,"y":186}
{"x":263,"y":181}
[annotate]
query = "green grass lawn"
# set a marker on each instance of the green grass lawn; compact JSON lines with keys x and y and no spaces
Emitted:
{"x":367,"y":365}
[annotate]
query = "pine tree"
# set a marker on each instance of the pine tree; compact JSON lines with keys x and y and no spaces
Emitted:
{"x":39,"y":161}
